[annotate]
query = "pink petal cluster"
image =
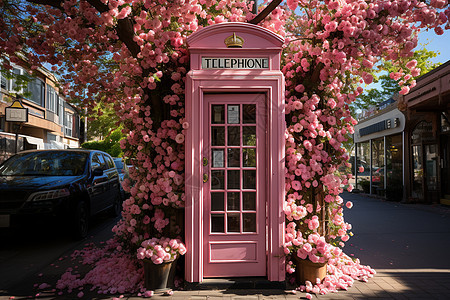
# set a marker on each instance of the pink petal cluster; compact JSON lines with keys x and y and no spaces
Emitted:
{"x":111,"y":271}
{"x":161,"y":250}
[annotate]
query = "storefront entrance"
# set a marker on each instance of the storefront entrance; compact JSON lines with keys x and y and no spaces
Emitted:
{"x":234,"y":173}
{"x":445,"y":167}
{"x":424,"y":164}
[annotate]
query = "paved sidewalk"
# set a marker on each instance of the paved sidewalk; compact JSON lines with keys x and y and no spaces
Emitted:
{"x":408,"y":246}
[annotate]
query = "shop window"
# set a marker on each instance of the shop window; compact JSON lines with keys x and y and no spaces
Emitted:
{"x":445,"y":123}
{"x":363,"y":167}
{"x":394,"y":168}
{"x":423,"y":132}
{"x":378,"y":167}
{"x":431,"y":157}
{"x":417,"y":188}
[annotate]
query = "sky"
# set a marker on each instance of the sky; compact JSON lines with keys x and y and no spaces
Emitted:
{"x":431,"y":41}
{"x":437,"y":43}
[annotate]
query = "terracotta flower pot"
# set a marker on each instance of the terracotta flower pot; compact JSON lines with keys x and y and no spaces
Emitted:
{"x":308,"y":271}
{"x":158,"y":276}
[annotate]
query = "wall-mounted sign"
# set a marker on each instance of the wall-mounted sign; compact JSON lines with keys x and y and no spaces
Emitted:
{"x":380,"y":126}
{"x":235,"y":63}
{"x":16,"y":112}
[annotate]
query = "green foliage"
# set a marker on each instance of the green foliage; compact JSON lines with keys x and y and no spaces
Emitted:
{"x":109,"y":145}
{"x":389,"y":86}
{"x":101,"y":122}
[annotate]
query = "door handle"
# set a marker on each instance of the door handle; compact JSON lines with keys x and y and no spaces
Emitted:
{"x":205,"y":177}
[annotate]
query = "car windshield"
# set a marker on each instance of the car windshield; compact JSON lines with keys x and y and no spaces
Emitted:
{"x":46,"y":163}
{"x":119,"y":164}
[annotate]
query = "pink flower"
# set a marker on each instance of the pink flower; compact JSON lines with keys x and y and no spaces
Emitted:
{"x":148,"y":294}
{"x":307,"y":247}
{"x":179,"y":138}
{"x":308,"y":296}
{"x":349,"y":204}
{"x":313,"y":223}
{"x":361,"y":169}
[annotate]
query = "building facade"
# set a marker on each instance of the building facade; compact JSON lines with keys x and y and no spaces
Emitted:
{"x":379,"y":153}
{"x":406,"y":154}
{"x":427,"y":143}
{"x":52,"y":122}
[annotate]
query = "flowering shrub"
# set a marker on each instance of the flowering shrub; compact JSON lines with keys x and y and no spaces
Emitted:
{"x":314,"y":247}
{"x":133,"y":54}
{"x":161,"y":250}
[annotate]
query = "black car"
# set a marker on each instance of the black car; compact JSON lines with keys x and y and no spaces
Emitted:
{"x":72,"y":185}
{"x":122,"y":168}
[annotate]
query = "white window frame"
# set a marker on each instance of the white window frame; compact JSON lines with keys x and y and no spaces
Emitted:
{"x":51,"y":103}
{"x":68,"y":123}
{"x":8,"y":82}
{"x":61,"y":111}
{"x":42,"y":84}
{"x":13,"y":82}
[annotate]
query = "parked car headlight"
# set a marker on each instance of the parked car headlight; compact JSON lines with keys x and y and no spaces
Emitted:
{"x":49,"y":195}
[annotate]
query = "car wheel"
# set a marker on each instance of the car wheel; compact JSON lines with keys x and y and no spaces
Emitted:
{"x":116,"y":209}
{"x":81,"y":220}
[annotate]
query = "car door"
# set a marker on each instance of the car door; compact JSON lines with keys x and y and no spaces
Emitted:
{"x":113,"y":180}
{"x":99,"y":184}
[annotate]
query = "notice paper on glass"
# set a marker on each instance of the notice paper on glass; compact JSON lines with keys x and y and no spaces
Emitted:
{"x":233,"y":114}
{"x":218,"y":159}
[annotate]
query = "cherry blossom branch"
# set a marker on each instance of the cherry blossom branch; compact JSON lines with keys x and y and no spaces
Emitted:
{"x":124,"y":26}
{"x":125,"y":29}
{"x":53,"y":3}
{"x":262,"y":15}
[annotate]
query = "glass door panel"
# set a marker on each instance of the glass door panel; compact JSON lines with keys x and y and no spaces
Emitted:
{"x":417,"y":187}
{"x":227,"y":144}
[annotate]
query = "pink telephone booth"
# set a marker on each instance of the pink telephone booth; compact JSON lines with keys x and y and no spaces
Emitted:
{"x":235,"y":154}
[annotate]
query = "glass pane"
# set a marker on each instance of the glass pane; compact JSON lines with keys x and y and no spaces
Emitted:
{"x":233,"y":179}
{"x":249,"y":157}
{"x":233,"y":201}
{"x":218,"y":136}
{"x":363,"y":167}
{"x":217,"y":201}
{"x":217,"y":179}
{"x":249,"y":114}
{"x":378,"y":167}
{"x":218,"y":114}
{"x":233,"y":157}
{"x":249,"y":179}
{"x":234,"y":223}
{"x":249,"y":201}
{"x":394,"y":167}
{"x":233,"y":136}
{"x":431,"y":158}
{"x":249,"y":136}
{"x":417,"y":191}
{"x":217,"y":223}
{"x":218,"y":158}
{"x":233,"y":114}
{"x":249,"y":222}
